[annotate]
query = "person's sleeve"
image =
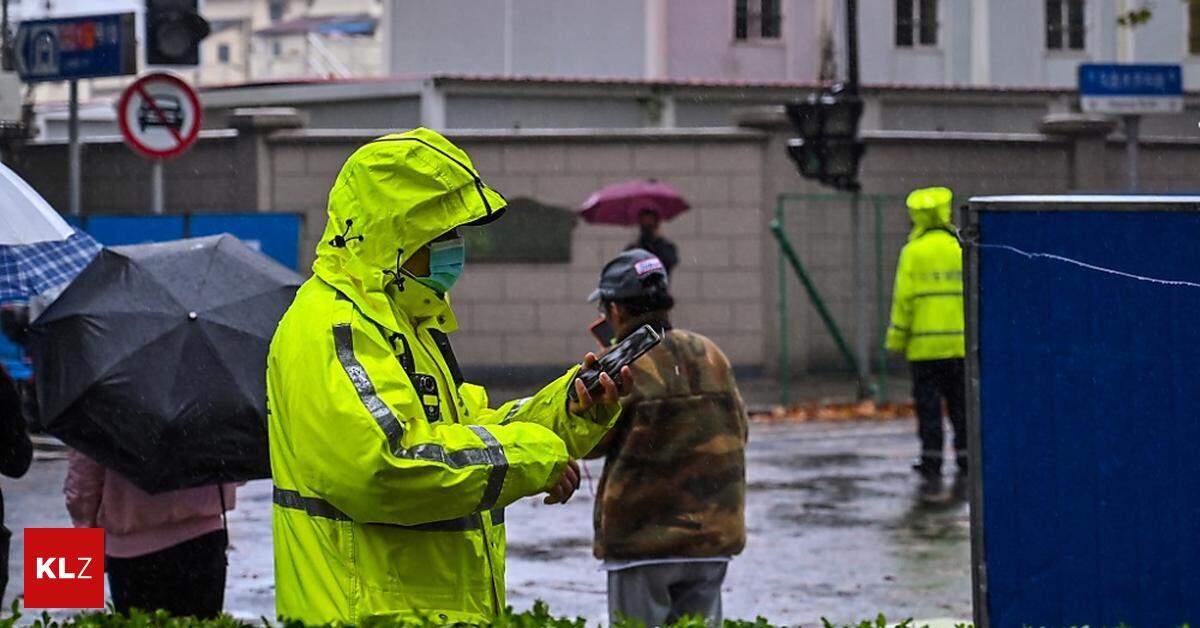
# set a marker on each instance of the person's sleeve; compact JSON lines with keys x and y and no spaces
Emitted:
{"x":670,"y":255}
{"x":629,"y":408}
{"x":16,"y":450}
{"x":360,"y":447}
{"x":740,"y":404}
{"x":83,"y":489}
{"x":548,"y":409}
{"x":901,"y":326}
{"x":606,"y":442}
{"x":721,"y":361}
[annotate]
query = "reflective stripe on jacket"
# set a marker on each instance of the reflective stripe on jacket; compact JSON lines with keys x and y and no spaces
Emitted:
{"x":391,"y":473}
{"x":927,"y":302}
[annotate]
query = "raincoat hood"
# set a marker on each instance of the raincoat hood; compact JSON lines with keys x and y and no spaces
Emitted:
{"x":929,"y":208}
{"x":393,"y":196}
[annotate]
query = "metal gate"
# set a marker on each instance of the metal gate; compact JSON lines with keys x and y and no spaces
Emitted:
{"x":816,"y":234}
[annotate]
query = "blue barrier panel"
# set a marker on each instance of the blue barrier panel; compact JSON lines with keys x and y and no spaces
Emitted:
{"x":276,"y":235}
{"x":1086,"y":415}
{"x":13,"y":359}
{"x":117,"y":230}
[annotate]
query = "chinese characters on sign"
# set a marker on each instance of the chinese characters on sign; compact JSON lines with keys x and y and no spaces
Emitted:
{"x":77,"y":47}
{"x":1130,"y":89}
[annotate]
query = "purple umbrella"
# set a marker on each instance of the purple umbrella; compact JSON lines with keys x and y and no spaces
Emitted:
{"x":620,"y":203}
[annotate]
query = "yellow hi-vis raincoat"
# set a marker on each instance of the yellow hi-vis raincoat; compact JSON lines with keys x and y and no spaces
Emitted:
{"x":927,"y":302}
{"x":391,"y":474}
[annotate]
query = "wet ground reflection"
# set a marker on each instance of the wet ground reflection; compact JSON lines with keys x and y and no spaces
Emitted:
{"x":837,"y":528}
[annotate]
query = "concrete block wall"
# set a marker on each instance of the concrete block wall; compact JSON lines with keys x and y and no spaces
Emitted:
{"x":522,"y":316}
{"x":535,"y":315}
{"x":117,"y":180}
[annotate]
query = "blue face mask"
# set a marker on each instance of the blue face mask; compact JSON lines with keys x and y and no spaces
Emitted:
{"x":445,"y":264}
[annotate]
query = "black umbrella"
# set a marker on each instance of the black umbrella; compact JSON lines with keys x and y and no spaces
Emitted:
{"x":153,"y":361}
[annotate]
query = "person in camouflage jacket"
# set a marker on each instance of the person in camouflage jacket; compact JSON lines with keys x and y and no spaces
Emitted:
{"x":669,"y":510}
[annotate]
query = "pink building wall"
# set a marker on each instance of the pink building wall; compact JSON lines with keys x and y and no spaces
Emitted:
{"x":700,"y":43}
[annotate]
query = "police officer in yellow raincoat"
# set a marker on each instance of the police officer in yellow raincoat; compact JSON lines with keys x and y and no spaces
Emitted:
{"x":927,"y":324}
{"x":391,"y":473}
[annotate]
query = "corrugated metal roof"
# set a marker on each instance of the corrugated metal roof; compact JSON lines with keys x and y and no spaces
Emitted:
{"x":726,"y":84}
{"x":347,"y":24}
{"x":220,"y":25}
{"x":697,"y":82}
{"x":729,"y":83}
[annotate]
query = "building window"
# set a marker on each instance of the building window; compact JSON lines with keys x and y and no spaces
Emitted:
{"x":276,"y":9}
{"x":916,"y":23}
{"x":276,"y":48}
{"x":757,"y":19}
{"x":1065,"y":25}
{"x":223,"y":53}
{"x":1194,"y":27}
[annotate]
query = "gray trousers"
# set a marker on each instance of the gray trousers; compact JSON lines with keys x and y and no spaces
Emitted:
{"x":660,"y":594}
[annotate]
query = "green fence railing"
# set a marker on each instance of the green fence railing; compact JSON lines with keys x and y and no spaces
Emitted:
{"x":789,"y":258}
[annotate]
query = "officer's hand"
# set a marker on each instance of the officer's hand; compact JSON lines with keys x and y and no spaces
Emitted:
{"x":567,"y":484}
{"x":611,"y":393}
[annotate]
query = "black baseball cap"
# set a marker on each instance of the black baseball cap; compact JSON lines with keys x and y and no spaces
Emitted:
{"x":625,"y":276}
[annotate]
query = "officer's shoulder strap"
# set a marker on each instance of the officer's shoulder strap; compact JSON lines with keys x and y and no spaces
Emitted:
{"x":442,"y":340}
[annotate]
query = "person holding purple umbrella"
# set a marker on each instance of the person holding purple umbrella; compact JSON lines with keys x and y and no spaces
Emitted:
{"x":651,"y":239}
{"x":646,"y":203}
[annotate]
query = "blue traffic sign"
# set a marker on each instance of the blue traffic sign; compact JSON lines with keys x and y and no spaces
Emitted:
{"x":85,"y":46}
{"x":1130,"y":88}
{"x":1129,"y":79}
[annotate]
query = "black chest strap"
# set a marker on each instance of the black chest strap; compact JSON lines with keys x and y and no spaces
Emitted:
{"x":425,"y":385}
{"x":443,"y":344}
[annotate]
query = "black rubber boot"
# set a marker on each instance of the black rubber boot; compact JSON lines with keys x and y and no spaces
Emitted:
{"x":928,"y":467}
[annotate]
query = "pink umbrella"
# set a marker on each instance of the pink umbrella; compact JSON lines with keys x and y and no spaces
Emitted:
{"x":620,"y":203}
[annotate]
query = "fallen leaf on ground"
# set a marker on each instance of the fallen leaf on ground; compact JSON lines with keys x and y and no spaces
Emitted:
{"x":818,"y":411}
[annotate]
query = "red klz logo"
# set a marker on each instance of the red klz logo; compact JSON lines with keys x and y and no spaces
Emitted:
{"x":64,"y":568}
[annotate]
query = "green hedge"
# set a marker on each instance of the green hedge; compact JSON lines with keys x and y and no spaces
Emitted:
{"x":538,"y":617}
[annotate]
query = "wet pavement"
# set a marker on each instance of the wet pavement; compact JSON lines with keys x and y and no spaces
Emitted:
{"x":837,"y":529}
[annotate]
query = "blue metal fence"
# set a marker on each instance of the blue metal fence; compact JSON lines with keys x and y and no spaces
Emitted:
{"x":276,"y":234}
{"x":1085,"y":411}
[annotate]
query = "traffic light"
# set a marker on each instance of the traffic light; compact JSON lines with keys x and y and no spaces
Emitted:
{"x":828,"y":148}
{"x":174,"y":30}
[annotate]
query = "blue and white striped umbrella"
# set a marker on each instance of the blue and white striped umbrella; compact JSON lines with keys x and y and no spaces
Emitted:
{"x":38,"y":249}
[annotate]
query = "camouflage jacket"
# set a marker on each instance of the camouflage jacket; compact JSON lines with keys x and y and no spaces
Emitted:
{"x":674,"y":482}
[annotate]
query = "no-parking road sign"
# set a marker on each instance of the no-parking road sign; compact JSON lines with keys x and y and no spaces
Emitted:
{"x":159,"y":115}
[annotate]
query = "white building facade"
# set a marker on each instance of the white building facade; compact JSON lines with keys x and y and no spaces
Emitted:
{"x":756,"y":40}
{"x":1019,"y":43}
{"x":1001,"y":43}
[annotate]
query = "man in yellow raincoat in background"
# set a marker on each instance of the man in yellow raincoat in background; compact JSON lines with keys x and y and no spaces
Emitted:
{"x":927,"y":325}
{"x":391,"y":473}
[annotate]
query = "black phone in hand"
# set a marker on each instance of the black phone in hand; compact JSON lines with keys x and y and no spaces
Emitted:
{"x":623,"y":354}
